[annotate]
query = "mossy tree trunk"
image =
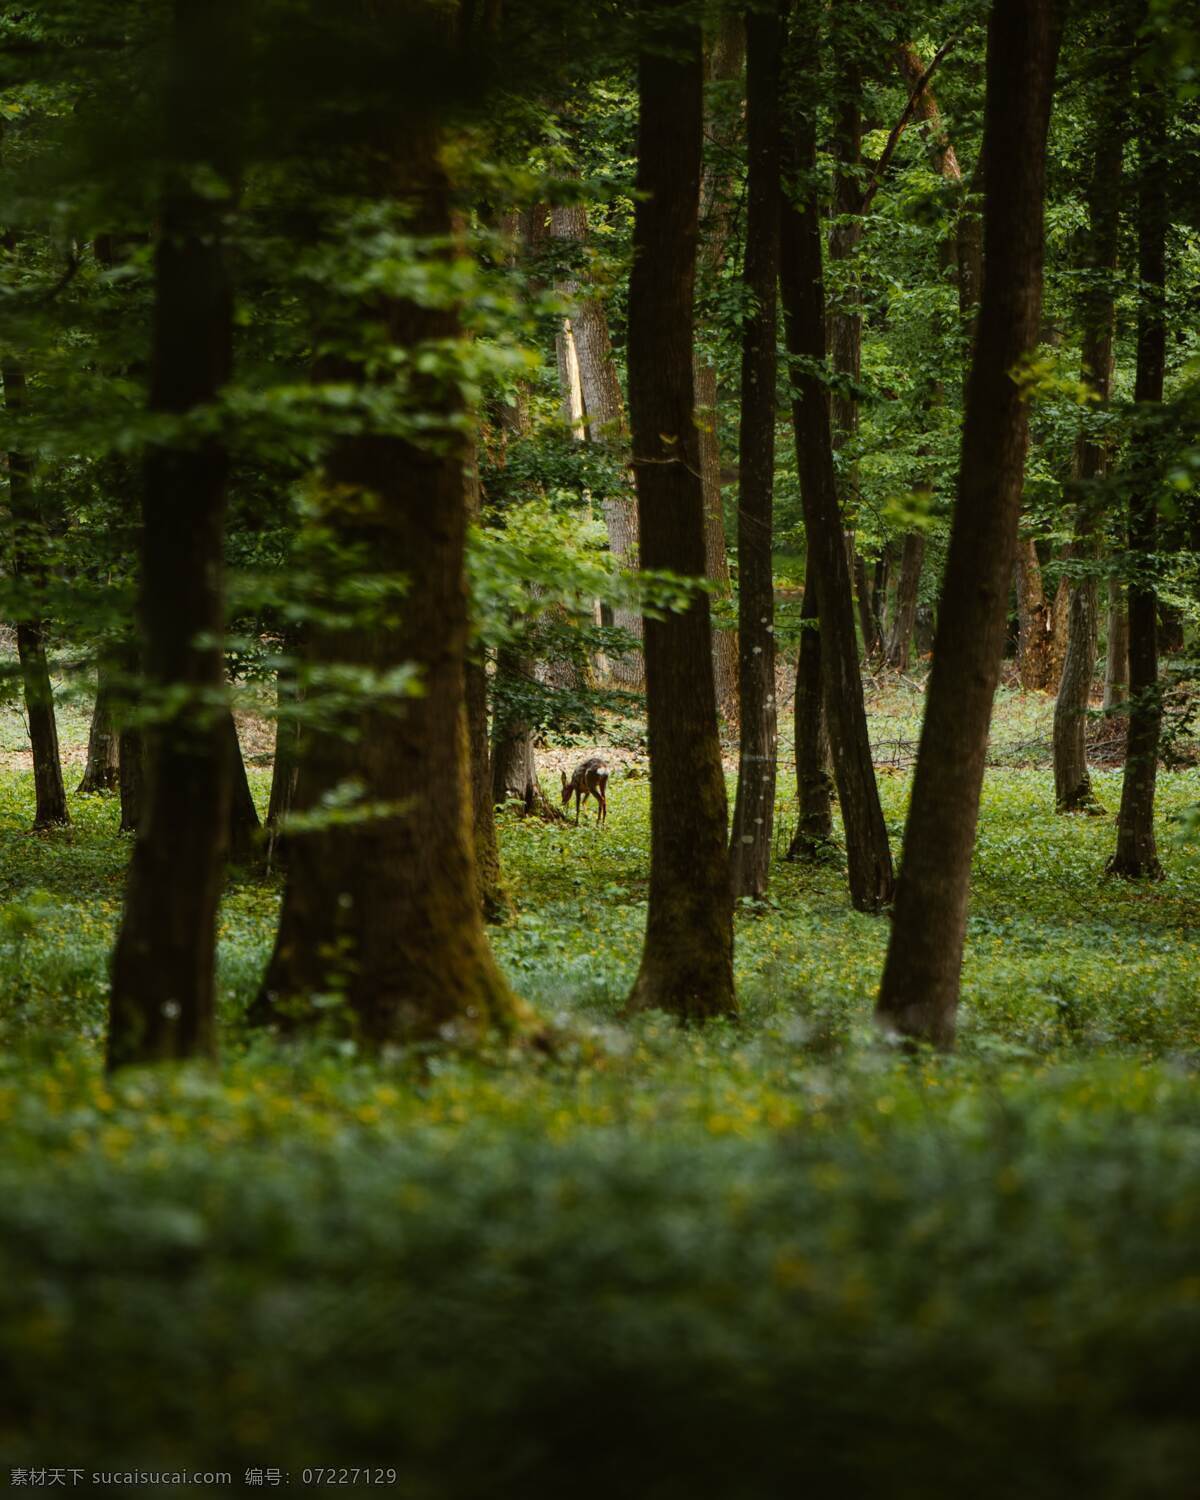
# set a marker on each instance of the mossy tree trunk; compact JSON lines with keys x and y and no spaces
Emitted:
{"x":754,"y":807}
{"x":919,"y":993}
{"x":687,"y":959}
{"x":163,"y":974}
{"x":382,"y":910}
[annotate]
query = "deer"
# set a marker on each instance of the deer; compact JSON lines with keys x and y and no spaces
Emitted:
{"x":589,"y":779}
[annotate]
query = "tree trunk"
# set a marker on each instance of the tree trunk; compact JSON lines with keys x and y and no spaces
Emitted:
{"x":606,"y":426}
{"x":163,"y":993}
{"x":489,"y":887}
{"x":131,"y":751}
{"x":244,"y":822}
{"x":1035,"y":632}
{"x":869,"y":856}
{"x":1136,"y":854}
{"x":382,"y":910}
{"x":286,"y":762}
{"x":814,"y":789}
{"x":687,"y":961}
{"x":1072,"y":784}
{"x":50,"y":797}
{"x":908,"y":586}
{"x":919,"y":994}
{"x":102,"y":770}
{"x":754,"y":807}
{"x":723,"y":66}
{"x":1116,"y":649}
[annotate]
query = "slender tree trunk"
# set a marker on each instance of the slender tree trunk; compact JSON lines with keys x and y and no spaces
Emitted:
{"x":244,"y":822}
{"x":908,"y":587}
{"x":102,"y":770}
{"x":687,"y":960}
{"x":606,"y":426}
{"x":163,"y":993}
{"x":754,"y":808}
{"x":919,"y":994}
{"x":1116,"y":651}
{"x":869,"y":855}
{"x":1072,"y":784}
{"x":814,"y":788}
{"x":50,"y":797}
{"x":1136,"y":855}
{"x":723,"y":67}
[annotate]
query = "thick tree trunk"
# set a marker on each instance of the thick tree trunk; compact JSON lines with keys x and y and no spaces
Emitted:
{"x":919,"y":994}
{"x":384,"y":910}
{"x":162,"y":1001}
{"x":814,"y":788}
{"x":723,"y":68}
{"x":50,"y":797}
{"x":908,"y":587}
{"x":1072,"y":784}
{"x":286,"y":763}
{"x":131,"y":752}
{"x":606,"y":426}
{"x":754,"y":807}
{"x":687,"y":960}
{"x":102,"y":772}
{"x":1035,"y":626}
{"x":244,"y":822}
{"x":1116,"y":648}
{"x":1136,"y":854}
{"x":869,"y":855}
{"x":489,"y":886}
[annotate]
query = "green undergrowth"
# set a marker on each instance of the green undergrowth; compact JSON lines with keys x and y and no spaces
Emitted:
{"x":656,"y":1261}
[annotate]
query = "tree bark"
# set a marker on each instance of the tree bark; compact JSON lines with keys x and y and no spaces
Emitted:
{"x":381,"y":911}
{"x":869,"y":855}
{"x":101,"y":773}
{"x":1035,"y":632}
{"x":244,"y":822}
{"x":814,"y":788}
{"x":723,"y":66}
{"x":754,"y":806}
{"x":1116,"y":648}
{"x":131,"y":752}
{"x":489,"y":886}
{"x":908,"y":587}
{"x":919,"y":994}
{"x":1136,"y":854}
{"x":1072,"y":784}
{"x":163,"y":991}
{"x":607,"y":427}
{"x":50,"y":797}
{"x":687,"y":960}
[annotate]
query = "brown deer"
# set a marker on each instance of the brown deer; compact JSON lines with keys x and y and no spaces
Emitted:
{"x":589,"y":779}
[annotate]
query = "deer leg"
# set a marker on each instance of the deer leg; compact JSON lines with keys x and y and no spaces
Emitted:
{"x":578,"y":800}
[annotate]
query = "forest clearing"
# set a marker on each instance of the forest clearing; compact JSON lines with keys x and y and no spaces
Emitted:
{"x":599,"y":742}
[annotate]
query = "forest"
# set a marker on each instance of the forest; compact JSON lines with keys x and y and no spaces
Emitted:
{"x":599,"y":724}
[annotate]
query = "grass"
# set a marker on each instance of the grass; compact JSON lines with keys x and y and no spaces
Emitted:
{"x":660,"y":1262}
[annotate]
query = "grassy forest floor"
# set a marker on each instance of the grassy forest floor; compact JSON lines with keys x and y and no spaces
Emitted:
{"x":718,"y":1259}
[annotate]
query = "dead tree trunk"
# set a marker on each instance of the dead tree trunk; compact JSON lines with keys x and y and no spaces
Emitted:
{"x":687,"y":959}
{"x":919,"y":994}
{"x":754,"y":808}
{"x":868,"y":851}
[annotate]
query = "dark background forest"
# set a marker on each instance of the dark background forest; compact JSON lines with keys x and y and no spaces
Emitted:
{"x":599,"y":826}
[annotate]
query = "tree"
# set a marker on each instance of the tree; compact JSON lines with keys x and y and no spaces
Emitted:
{"x":919,"y":994}
{"x":814,"y":823}
{"x":754,"y":808}
{"x":101,"y":773}
{"x":1136,"y":854}
{"x":868,"y":852}
{"x":687,"y":959}
{"x":162,"y":1001}
{"x":1072,"y":784}
{"x":381,"y":905}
